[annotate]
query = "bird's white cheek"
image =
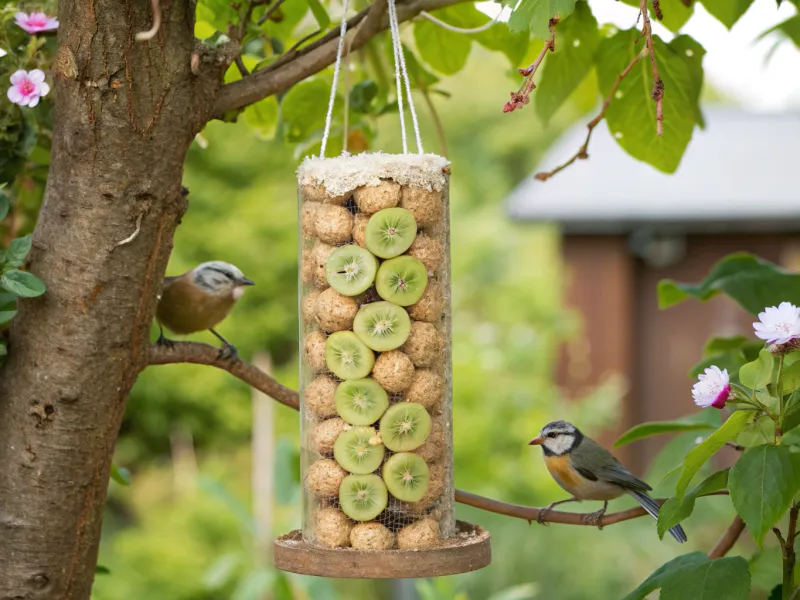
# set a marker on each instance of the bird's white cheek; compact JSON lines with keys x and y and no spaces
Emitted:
{"x":238,"y":293}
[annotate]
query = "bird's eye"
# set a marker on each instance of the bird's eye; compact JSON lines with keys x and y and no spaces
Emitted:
{"x":551,"y":434}
{"x":229,"y":275}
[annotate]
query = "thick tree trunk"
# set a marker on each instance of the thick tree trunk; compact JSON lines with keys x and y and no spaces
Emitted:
{"x":126,"y":114}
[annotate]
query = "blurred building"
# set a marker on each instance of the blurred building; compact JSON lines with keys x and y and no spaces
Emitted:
{"x":625,"y":226}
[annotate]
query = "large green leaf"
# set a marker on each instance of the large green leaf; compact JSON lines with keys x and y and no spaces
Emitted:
{"x":6,"y":316}
{"x":645,"y":430}
{"x":758,"y":373}
{"x":17,"y":251}
{"x":790,"y":29}
{"x":22,"y":284}
{"x":666,"y":571}
{"x":752,"y":282}
{"x":720,"y":579}
{"x":320,"y":14}
{"x":720,"y":345}
{"x":572,"y":60}
{"x":303,"y":108}
{"x":262,"y":116}
{"x":708,"y":448}
{"x":791,"y":415}
{"x":766,"y":569}
{"x":536,"y":14}
{"x":762,"y":484}
{"x":4,"y":205}
{"x":693,"y":53}
{"x":631,"y":116}
{"x":727,"y":12}
{"x":676,"y":510}
{"x":444,"y":50}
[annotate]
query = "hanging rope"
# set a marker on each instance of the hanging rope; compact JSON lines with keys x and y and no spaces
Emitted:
{"x":342,"y":33}
{"x":400,"y":74}
{"x":455,"y":29}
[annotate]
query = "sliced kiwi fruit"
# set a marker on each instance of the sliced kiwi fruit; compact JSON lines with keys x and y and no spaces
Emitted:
{"x":363,"y":497}
{"x":357,"y":452}
{"x":350,"y":270}
{"x":406,"y":476}
{"x":347,"y":357}
{"x":390,"y":232}
{"x":401,"y":280}
{"x":382,"y":326}
{"x":405,"y":426}
{"x":360,"y":401}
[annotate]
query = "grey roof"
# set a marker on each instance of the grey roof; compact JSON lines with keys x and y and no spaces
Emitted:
{"x":742,"y":173}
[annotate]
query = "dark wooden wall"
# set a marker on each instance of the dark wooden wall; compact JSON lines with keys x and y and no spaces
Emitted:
{"x":625,"y":333}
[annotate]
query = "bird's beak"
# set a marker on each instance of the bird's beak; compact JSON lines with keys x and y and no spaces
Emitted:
{"x":246,"y":281}
{"x":537,"y":441}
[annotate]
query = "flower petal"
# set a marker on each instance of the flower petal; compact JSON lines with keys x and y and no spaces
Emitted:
{"x":18,"y":76}
{"x":33,"y":101}
{"x":14,"y":95}
{"x":52,"y":23}
{"x":2,"y":53}
{"x":36,"y":76}
{"x":44,"y":89}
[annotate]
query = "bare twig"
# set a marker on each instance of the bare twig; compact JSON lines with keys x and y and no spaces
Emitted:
{"x":302,"y":41}
{"x":735,"y":446}
{"x":522,"y":96}
{"x":151,"y":33}
{"x":658,"y":86}
{"x":294,"y":67}
{"x":582,"y":152}
{"x":788,"y":552}
{"x":728,"y":539}
{"x":132,"y":236}
{"x":437,"y":121}
{"x":371,"y":23}
{"x":240,"y":65}
{"x":203,"y":354}
{"x":270,"y":11}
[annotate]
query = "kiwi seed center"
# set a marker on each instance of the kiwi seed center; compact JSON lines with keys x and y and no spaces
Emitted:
{"x":407,"y":477}
{"x":348,"y":357}
{"x":362,"y":494}
{"x":351,"y":270}
{"x":360,"y":400}
{"x":382,"y":327}
{"x":406,"y":426}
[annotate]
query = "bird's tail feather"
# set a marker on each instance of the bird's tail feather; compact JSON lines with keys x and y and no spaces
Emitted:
{"x":651,"y":506}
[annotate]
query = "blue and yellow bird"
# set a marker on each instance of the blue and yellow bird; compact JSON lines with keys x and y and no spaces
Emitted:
{"x":589,"y":472}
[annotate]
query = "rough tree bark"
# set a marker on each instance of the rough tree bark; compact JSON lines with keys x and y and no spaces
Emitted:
{"x":125,"y":115}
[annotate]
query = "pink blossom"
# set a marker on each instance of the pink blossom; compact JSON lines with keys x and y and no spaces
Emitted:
{"x":27,"y":87}
{"x":713,"y":388}
{"x":36,"y":22}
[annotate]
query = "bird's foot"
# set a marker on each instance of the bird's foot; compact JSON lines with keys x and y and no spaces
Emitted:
{"x":596,"y":518}
{"x":228,"y":352}
{"x":543,"y":514}
{"x":162,"y":341}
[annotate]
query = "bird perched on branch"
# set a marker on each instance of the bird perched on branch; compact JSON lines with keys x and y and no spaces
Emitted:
{"x":200,"y":300}
{"x":589,"y":472}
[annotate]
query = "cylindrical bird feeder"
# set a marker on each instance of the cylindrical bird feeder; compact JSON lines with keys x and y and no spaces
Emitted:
{"x":375,"y":373}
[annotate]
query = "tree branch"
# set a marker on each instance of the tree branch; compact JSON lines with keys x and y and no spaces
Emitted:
{"x":728,"y":539}
{"x":522,"y":96}
{"x":203,"y":354}
{"x":582,"y":152}
{"x":658,"y":86}
{"x":291,"y":69}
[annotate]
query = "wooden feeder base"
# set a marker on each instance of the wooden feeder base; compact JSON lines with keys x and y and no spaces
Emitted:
{"x":469,"y":550}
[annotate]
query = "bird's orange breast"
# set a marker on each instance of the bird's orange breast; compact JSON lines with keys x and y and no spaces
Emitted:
{"x":560,"y":468}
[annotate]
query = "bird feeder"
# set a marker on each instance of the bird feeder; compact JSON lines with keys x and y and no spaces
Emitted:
{"x":375,"y":374}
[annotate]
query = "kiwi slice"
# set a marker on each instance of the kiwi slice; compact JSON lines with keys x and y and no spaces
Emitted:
{"x":356,"y":451}
{"x":360,"y":401}
{"x":405,"y":426}
{"x":406,"y":476}
{"x":382,"y":326}
{"x":390,"y":232}
{"x":363,"y":497}
{"x":347,"y":357}
{"x":401,"y":280}
{"x":350,"y":270}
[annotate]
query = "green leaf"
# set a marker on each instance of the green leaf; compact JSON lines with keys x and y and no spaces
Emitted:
{"x":791,"y":416}
{"x":757,"y":374}
{"x":572,"y":60}
{"x":666,"y":571}
{"x":6,"y":316}
{"x":446,"y":51}
{"x":762,"y":484}
{"x":102,"y":570}
{"x":720,"y":579}
{"x":708,"y":448}
{"x":765,"y":568}
{"x":693,"y":54}
{"x":17,"y":251}
{"x":320,"y":14}
{"x":3,"y":349}
{"x":262,"y":116}
{"x":121,"y":475}
{"x":362,"y":96}
{"x":727,"y":12}
{"x":750,"y":281}
{"x":790,"y":377}
{"x":631,"y":116}
{"x":22,"y":284}
{"x":721,"y":345}
{"x":676,"y":510}
{"x":303,"y":109}
{"x":731,"y":361}
{"x":4,"y":205}
{"x":644,"y":430}
{"x":536,"y":14}
{"x":788,"y":29}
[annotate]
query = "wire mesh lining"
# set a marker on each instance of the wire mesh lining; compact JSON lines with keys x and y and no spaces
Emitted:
{"x":323,"y":184}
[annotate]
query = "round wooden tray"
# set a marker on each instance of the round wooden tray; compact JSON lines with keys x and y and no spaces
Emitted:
{"x":469,"y":550}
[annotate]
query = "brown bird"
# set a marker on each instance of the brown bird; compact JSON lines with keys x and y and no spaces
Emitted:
{"x":199,"y":300}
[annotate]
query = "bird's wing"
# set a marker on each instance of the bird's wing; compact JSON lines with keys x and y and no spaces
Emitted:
{"x":595,"y":460}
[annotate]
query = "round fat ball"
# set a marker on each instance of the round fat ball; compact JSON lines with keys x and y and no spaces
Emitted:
{"x":371,"y":536}
{"x":318,"y":193}
{"x":424,"y":344}
{"x":314,"y":347}
{"x":372,"y":199}
{"x":319,"y":397}
{"x":324,"y":478}
{"x":427,"y":206}
{"x":428,"y":251}
{"x":325,"y":434}
{"x":426,"y":388}
{"x":428,"y":308}
{"x":360,"y":229}
{"x":334,"y":224}
{"x":335,"y":312}
{"x":332,"y":528}
{"x":424,"y":533}
{"x":394,"y":371}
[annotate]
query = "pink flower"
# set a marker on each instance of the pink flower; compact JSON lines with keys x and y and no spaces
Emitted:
{"x":27,"y":87}
{"x":713,"y":388}
{"x":36,"y":22}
